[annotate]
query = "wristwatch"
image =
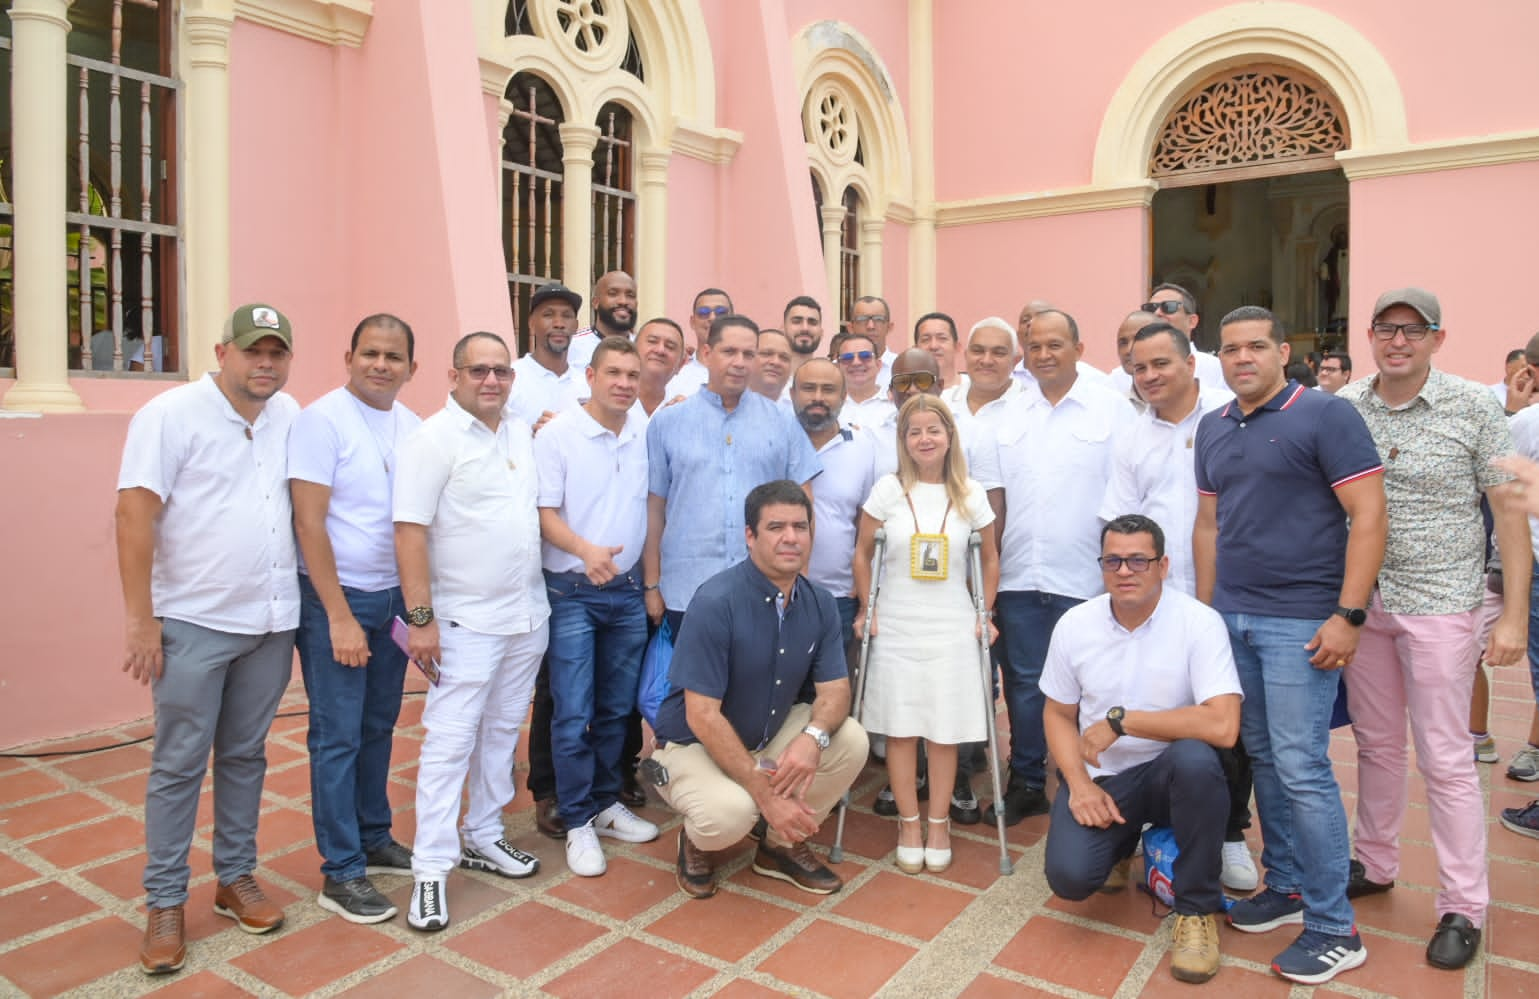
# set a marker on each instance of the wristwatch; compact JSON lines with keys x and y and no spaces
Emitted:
{"x":818,"y":736}
{"x":1355,"y":615}
{"x":419,"y":617}
{"x":1114,"y":719}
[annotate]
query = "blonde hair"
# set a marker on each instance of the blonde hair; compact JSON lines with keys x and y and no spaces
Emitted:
{"x":954,"y":470}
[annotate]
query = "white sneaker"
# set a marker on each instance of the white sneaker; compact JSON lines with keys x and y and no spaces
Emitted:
{"x":1239,"y":872}
{"x":502,"y":858}
{"x":619,"y":822}
{"x":584,"y":856}
{"x":429,"y":909}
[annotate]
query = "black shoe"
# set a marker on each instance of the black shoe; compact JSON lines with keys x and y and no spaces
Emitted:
{"x":1020,"y":801}
{"x":547,"y":818}
{"x":964,"y":804}
{"x":887,"y":806}
{"x":356,"y":901}
{"x":388,"y":858}
{"x":1358,"y":884}
{"x":632,"y":794}
{"x":1454,"y":942}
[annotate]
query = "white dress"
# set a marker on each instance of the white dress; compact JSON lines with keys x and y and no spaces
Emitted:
{"x":924,"y":677}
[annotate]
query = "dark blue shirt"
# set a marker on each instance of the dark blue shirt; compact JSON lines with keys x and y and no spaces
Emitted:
{"x":734,"y":647}
{"x":1282,"y":534}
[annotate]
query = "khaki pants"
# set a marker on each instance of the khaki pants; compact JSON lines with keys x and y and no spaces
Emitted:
{"x":718,"y":811}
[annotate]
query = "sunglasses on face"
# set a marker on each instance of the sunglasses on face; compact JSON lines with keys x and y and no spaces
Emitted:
{"x":851,"y":357}
{"x":707,"y":311}
{"x":1161,"y":308}
{"x":921,"y":380}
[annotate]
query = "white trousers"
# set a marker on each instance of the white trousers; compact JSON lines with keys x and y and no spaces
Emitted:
{"x":472,"y":719}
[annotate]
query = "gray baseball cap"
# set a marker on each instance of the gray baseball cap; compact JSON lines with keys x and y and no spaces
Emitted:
{"x":1420,"y":299}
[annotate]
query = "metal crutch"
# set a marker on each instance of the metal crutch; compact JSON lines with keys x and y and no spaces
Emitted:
{"x":986,"y":668}
{"x":836,"y":852}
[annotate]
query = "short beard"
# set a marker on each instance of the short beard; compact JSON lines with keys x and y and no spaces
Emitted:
{"x":816,"y":424}
{"x":606,"y":318}
{"x":807,"y":351}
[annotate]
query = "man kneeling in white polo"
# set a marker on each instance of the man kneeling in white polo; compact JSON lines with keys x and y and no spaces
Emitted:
{"x":465,"y":495}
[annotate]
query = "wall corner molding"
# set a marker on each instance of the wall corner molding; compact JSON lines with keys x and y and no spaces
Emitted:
{"x":331,"y":22}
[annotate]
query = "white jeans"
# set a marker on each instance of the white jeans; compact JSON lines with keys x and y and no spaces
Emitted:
{"x":472,"y":719}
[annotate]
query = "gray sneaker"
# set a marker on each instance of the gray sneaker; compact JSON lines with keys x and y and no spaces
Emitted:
{"x":1525,"y":765}
{"x":388,"y":858}
{"x":356,"y":901}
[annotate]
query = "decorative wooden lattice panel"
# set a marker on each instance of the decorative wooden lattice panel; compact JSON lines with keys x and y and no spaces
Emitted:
{"x":1249,"y":118}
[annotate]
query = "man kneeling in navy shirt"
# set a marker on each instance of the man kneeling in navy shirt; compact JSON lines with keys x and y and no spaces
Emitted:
{"x":733,"y":740}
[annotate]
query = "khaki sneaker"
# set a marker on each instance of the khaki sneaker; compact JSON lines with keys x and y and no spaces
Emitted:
{"x":1194,"y":948}
{"x":165,"y":941}
{"x":1118,"y":877}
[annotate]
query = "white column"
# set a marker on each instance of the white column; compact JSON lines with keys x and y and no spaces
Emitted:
{"x":206,"y":26}
{"x":921,"y":117}
{"x":871,"y":258}
{"x":833,"y":259}
{"x":577,"y":145}
{"x":39,"y":169}
{"x":652,"y":233}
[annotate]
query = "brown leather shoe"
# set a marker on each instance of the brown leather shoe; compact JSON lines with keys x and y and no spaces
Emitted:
{"x":696,"y":877}
{"x":798,"y":865}
{"x":547,"y":818}
{"x":165,"y":940}
{"x":244,"y":901}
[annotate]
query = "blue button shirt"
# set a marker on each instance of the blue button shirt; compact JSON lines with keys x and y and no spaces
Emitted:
{"x":1282,"y":534}
{"x":704,"y":461}
{"x":735,"y":646}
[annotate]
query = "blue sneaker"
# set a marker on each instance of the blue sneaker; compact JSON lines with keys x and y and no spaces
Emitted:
{"x":1266,"y":911}
{"x":1317,"y":957}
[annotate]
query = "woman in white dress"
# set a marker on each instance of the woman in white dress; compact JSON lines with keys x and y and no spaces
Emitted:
{"x":924,"y":680}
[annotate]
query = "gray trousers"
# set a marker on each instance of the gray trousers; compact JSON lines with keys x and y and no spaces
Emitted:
{"x":218,"y":693}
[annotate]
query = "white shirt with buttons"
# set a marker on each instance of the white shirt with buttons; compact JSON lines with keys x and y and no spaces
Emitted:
{"x":537,"y":390}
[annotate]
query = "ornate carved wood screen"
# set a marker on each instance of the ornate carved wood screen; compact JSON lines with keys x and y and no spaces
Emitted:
{"x":1257,"y":122}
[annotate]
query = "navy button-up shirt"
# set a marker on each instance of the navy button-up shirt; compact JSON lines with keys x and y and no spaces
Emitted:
{"x":737,"y":647}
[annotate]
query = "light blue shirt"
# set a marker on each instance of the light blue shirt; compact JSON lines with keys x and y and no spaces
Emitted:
{"x":704,"y":461}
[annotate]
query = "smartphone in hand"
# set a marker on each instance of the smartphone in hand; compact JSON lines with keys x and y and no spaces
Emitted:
{"x":398,"y":632}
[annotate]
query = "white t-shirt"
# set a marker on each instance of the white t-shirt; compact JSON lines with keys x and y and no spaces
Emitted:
{"x":596,"y":481}
{"x":474,"y":489}
{"x":1179,"y":657}
{"x":849,"y":472}
{"x":224,"y":542}
{"x":341,"y":442}
{"x":538,"y":390}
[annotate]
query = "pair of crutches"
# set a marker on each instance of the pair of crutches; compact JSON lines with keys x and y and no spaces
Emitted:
{"x":986,"y":670}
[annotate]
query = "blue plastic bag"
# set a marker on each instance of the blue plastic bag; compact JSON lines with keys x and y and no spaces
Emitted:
{"x":654,"y":673}
{"x":1160,"y":853}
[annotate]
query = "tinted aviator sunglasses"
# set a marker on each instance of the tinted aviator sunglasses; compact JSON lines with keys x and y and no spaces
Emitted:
{"x":921,"y":380}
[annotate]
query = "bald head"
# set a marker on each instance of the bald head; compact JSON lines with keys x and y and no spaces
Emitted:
{"x":1134,"y":322}
{"x":1029,"y":311}
{"x":915,"y":372}
{"x":614,"y":304}
{"x":817,"y":392}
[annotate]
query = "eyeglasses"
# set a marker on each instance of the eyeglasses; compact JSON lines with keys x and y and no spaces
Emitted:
{"x":1413,"y":331}
{"x":868,"y":320}
{"x":1136,"y":563}
{"x":1167,"y":308}
{"x":707,"y":311}
{"x":1331,"y":370}
{"x":857,"y":355}
{"x":921,"y":380}
{"x":478,"y":372}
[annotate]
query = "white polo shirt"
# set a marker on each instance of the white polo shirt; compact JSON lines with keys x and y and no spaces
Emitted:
{"x":1177,"y":658}
{"x":225,"y":557}
{"x":341,"y":442}
{"x":849,"y":472}
{"x":979,"y":446}
{"x":475,"y":491}
{"x":1152,"y":475}
{"x":1056,"y":462}
{"x":596,"y":481}
{"x":689,"y":379}
{"x":538,"y":390}
{"x":874,"y":412}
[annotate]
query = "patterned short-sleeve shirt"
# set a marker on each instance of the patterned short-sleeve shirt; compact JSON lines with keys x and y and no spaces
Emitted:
{"x":1437,"y":451}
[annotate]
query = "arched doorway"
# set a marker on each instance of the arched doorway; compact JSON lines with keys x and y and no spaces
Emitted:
{"x":1252,"y":208}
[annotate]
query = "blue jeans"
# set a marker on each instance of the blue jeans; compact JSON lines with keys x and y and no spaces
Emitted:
{"x":597,"y":637}
{"x":1029,"y":617}
{"x":1285,"y":725}
{"x":353,"y":712}
{"x":1533,"y":633}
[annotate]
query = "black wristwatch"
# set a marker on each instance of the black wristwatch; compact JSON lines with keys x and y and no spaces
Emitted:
{"x":1355,"y":615}
{"x":419,"y":617}
{"x":1114,"y":719}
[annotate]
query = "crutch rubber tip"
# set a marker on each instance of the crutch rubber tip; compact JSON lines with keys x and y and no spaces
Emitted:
{"x":836,"y":855}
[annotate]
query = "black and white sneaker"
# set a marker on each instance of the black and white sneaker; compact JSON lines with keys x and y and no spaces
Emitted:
{"x":356,"y":901}
{"x":887,"y":806}
{"x":389,"y":858}
{"x":429,"y":910}
{"x":964,"y":804}
{"x":502,"y":858}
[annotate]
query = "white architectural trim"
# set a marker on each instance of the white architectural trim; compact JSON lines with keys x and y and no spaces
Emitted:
{"x":334,"y":22}
{"x":1074,"y":200}
{"x":1243,"y":34}
{"x":1449,"y":154}
{"x":704,"y":142}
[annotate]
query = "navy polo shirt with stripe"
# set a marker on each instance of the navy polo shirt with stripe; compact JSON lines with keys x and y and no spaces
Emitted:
{"x":1282,"y":534}
{"x":735,"y":647}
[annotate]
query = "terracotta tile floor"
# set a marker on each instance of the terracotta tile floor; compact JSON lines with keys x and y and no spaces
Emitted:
{"x":71,"y":834}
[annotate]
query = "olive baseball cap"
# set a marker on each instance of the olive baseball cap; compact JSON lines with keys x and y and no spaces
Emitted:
{"x":1420,"y":299}
{"x":251,"y":323}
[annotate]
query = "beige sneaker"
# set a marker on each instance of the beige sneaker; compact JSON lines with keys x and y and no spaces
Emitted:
{"x":1119,"y":876}
{"x":1194,"y":948}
